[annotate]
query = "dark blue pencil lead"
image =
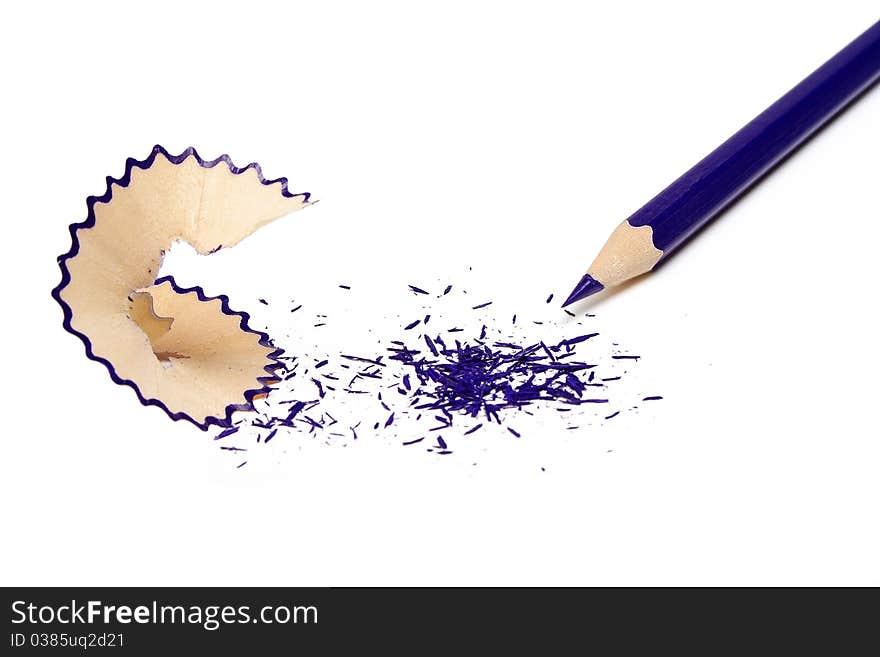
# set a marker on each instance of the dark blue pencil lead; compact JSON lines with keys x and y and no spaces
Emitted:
{"x":586,"y":287}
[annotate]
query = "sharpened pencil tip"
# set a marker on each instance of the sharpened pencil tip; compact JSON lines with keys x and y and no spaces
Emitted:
{"x":587,"y":286}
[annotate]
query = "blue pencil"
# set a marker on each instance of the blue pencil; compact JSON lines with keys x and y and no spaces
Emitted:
{"x":638,"y":244}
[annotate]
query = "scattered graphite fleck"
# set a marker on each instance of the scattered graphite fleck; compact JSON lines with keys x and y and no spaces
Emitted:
{"x":486,"y":376}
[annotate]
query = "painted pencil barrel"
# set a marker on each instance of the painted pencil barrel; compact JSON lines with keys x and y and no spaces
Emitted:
{"x":716,"y":181}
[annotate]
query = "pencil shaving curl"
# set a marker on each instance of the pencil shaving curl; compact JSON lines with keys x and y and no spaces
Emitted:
{"x":189,"y":354}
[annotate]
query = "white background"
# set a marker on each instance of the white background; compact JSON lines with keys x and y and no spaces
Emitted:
{"x":511,"y":137}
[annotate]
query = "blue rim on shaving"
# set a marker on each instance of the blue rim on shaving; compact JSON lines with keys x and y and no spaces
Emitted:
{"x":89,"y":222}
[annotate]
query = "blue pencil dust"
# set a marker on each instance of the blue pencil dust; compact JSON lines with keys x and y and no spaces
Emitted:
{"x":449,"y":379}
